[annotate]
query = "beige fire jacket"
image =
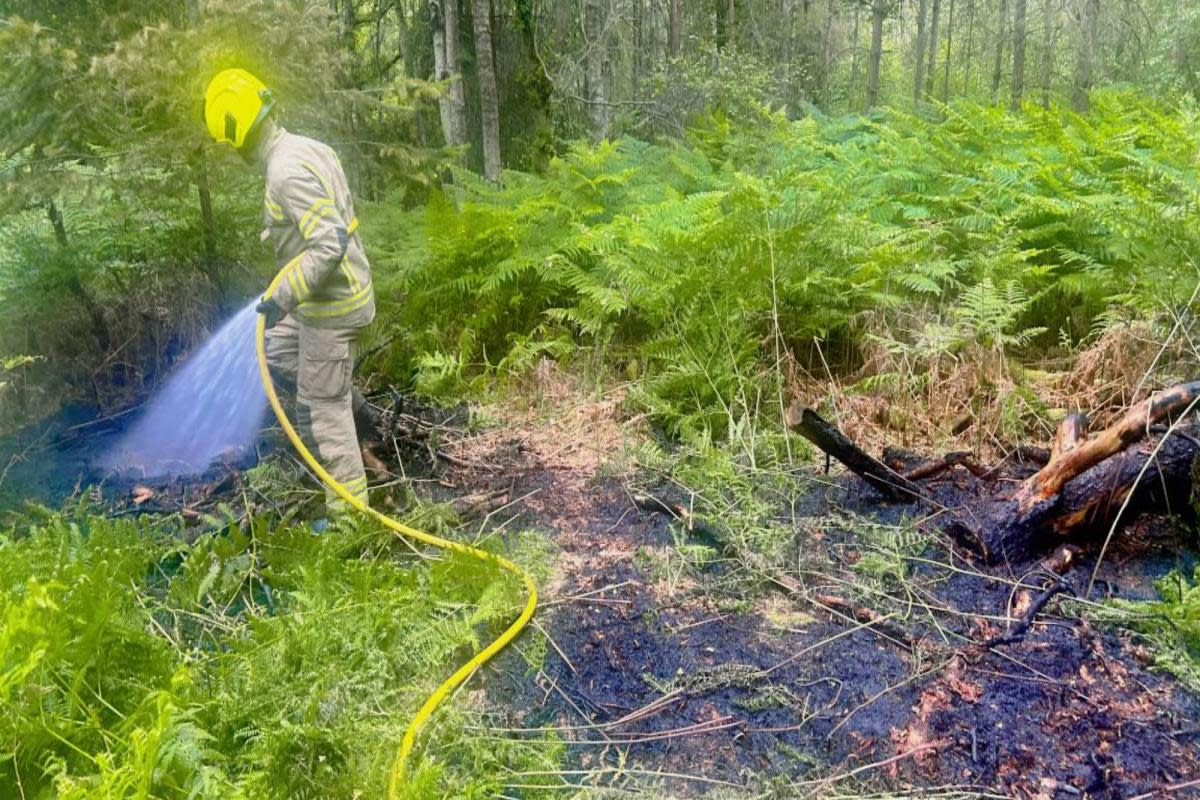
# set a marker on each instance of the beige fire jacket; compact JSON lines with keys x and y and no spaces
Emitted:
{"x":309,"y":216}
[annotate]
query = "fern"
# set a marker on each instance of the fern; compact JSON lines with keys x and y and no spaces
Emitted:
{"x":683,"y":256}
{"x":132,"y":664}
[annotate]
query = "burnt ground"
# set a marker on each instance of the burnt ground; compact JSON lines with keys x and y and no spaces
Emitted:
{"x":54,"y":463}
{"x":715,"y":676}
{"x":678,"y":675}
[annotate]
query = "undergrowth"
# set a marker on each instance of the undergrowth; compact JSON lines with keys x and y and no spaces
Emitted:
{"x":1170,"y":625}
{"x":271,"y":664}
{"x":713,"y":270}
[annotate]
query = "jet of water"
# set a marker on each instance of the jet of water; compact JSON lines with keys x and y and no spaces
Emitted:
{"x":211,"y":406}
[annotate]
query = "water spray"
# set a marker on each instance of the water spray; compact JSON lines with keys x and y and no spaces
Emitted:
{"x":211,"y":407}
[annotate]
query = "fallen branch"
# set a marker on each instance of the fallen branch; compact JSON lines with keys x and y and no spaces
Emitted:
{"x":832,"y":441}
{"x":958,"y":458}
{"x":1018,"y":632}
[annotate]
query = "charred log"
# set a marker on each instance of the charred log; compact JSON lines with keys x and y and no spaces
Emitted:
{"x":887,"y":481}
{"x":1082,"y":456}
{"x":1080,"y":490}
{"x":1015,"y":529}
{"x":1086,"y":482}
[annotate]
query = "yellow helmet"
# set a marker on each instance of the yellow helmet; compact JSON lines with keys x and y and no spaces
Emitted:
{"x":235,"y":103}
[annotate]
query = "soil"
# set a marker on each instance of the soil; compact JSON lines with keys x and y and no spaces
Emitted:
{"x":663,"y":679}
{"x":784,"y":688}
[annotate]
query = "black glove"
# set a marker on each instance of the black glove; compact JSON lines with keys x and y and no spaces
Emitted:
{"x":271,"y":312}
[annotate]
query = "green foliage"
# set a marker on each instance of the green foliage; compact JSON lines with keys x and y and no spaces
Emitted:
{"x":700,"y":261}
{"x":726,"y":83}
{"x":1171,"y":625}
{"x":272,"y":665}
{"x":886,"y":551}
{"x":126,"y":232}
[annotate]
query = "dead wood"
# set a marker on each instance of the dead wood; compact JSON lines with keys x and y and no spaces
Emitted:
{"x":832,"y":441}
{"x":1086,"y":482}
{"x":958,"y":458}
{"x":1082,"y":456}
{"x":1081,"y":487}
{"x":1030,"y":454}
{"x":1019,"y":631}
{"x":1072,"y":432}
{"x":1057,"y":564}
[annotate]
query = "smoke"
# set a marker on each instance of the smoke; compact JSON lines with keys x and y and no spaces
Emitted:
{"x":212,"y":406}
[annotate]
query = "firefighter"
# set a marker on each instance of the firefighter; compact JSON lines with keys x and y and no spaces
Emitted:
{"x":323,"y":298}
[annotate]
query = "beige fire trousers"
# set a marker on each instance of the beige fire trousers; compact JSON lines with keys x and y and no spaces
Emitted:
{"x":315,"y":365}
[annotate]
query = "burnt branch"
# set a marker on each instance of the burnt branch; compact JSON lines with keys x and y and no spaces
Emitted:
{"x":884,"y":479}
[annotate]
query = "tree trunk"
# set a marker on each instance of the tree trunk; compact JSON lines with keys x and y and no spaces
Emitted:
{"x":208,"y":228}
{"x":968,"y":60}
{"x":349,"y":19}
{"x":639,"y":45}
{"x":1048,"y":37}
{"x":447,"y":69}
{"x":489,"y":99}
{"x":854,"y":53}
{"x":594,"y":23}
{"x":721,"y":7}
{"x":1018,"y":76}
{"x":998,"y":67}
{"x":437,"y":27}
{"x":75,"y":284}
{"x":949,"y":53}
{"x":931,"y":70}
{"x":878,"y":12}
{"x":1085,"y":61}
{"x":827,"y":71}
{"x":455,"y":93}
{"x":675,"y":27}
{"x":919,"y":65}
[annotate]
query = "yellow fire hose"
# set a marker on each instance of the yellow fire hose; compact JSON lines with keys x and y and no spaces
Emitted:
{"x":406,"y":744}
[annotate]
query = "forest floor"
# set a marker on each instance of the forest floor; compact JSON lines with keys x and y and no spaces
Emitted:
{"x":679,"y":675}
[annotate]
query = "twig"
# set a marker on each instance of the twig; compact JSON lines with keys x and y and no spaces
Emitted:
{"x":554,"y":644}
{"x":1019,"y":631}
{"x":1175,"y":787}
{"x":887,"y":762}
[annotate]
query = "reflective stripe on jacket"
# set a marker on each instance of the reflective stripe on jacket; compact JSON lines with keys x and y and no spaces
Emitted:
{"x":311,"y":224}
